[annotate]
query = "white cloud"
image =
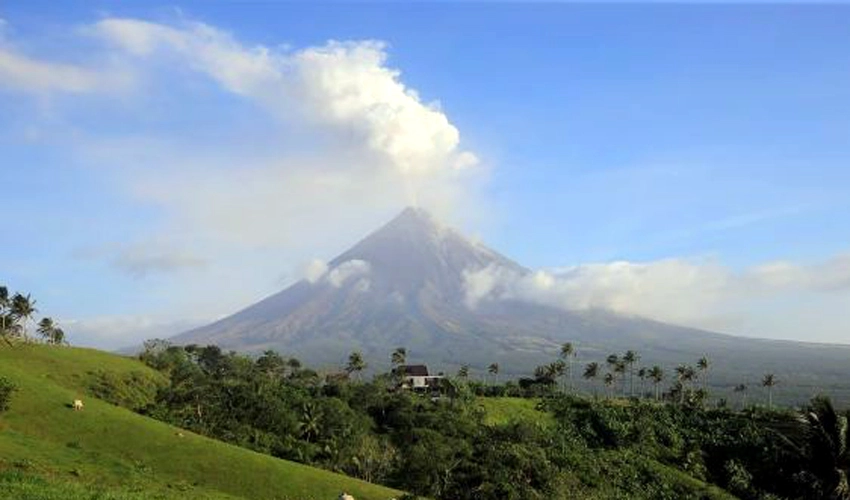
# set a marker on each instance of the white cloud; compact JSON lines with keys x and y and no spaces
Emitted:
{"x":348,"y":269}
{"x":19,"y":72}
{"x":343,"y":85}
{"x":24,"y":73}
{"x":699,"y":292}
{"x":349,"y":144}
{"x":142,"y":259}
{"x":318,"y":271}
{"x":117,"y":332}
{"x":315,"y":270}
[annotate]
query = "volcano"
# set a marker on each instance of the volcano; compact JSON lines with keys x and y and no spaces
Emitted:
{"x":404,"y":285}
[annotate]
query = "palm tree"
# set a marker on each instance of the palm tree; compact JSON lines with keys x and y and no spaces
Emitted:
{"x":355,"y":364}
{"x":5,"y":311}
{"x":616,"y":365}
{"x":609,"y":380}
{"x":58,"y":336}
{"x":4,"y":308}
{"x":642,"y":374}
{"x":46,"y":328}
{"x":629,"y":359}
{"x":399,"y":357}
{"x":463,"y":372}
{"x":742,"y":389}
{"x":656,"y":374}
{"x":591,"y":371}
{"x":567,"y":354}
{"x":769,"y":381}
{"x":23,"y":307}
{"x":703,"y":365}
{"x":558,"y":368}
{"x":620,"y":370}
{"x":310,"y":424}
{"x":684,"y":375}
{"x":493,"y":369}
{"x":825,"y":448}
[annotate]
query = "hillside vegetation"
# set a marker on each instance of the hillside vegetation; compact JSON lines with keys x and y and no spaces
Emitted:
{"x":47,"y":449}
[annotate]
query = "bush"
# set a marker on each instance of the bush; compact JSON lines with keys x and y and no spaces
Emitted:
{"x":134,"y":390}
{"x":7,"y":389}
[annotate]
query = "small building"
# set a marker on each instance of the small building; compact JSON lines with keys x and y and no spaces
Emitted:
{"x":416,"y":377}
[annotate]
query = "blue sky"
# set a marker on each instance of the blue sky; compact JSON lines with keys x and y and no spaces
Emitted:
{"x":685,"y":162}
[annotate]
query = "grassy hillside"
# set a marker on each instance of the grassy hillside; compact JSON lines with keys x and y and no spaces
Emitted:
{"x":114,"y":448}
{"x":499,"y":411}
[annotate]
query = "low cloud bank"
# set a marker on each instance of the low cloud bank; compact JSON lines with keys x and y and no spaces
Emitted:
{"x":700,"y":293}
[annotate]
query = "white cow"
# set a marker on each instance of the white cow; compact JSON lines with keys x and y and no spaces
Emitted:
{"x":78,"y":404}
{"x":345,"y":496}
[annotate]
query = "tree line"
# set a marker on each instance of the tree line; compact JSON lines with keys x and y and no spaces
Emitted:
{"x":17,"y":312}
{"x":587,"y":447}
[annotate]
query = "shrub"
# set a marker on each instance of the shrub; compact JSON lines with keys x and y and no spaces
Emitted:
{"x":7,"y":389}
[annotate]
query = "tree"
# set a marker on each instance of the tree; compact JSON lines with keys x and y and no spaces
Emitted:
{"x":567,"y":354}
{"x":620,"y":371}
{"x":591,"y":371}
{"x":399,"y":357}
{"x":46,"y":328}
{"x":355,"y":363}
{"x":617,"y":367}
{"x":684,"y":375}
{"x":609,"y":380}
{"x":742,"y":389}
{"x":558,"y":369}
{"x":23,"y":307}
{"x":4,"y":309}
{"x":703,"y":365}
{"x":769,"y":381}
{"x":629,"y":360}
{"x":642,"y":374}
{"x":58,"y":336}
{"x":825,"y":449}
{"x":656,"y":374}
{"x":463,"y":372}
{"x":493,"y":369}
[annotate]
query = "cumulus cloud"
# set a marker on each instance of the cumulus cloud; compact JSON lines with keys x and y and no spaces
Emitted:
{"x":343,"y":85}
{"x":697,"y":292}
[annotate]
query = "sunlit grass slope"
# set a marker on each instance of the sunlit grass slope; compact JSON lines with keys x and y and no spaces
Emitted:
{"x":499,"y":411}
{"x":106,"y":446}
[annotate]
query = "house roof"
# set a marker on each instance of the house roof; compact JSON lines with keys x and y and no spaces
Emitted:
{"x":416,"y":370}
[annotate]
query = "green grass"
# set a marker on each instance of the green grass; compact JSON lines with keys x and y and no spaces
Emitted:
{"x":499,"y":411}
{"x":106,"y":446}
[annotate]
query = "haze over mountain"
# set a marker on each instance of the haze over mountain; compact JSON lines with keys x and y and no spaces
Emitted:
{"x":408,"y":284}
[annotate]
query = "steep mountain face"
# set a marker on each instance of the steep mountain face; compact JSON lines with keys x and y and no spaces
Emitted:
{"x":404,"y":285}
